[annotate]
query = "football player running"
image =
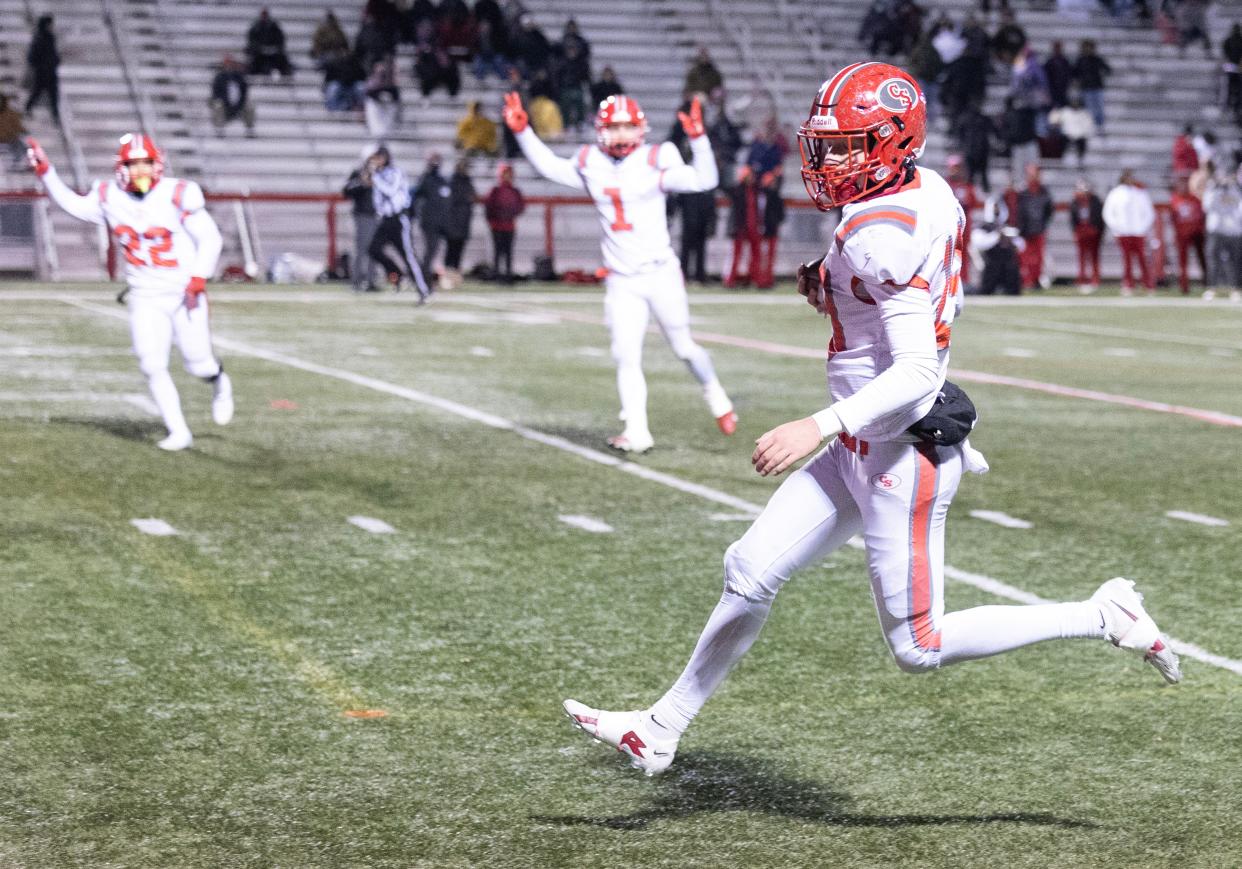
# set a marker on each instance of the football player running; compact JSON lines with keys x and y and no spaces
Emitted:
{"x":170,"y":245}
{"x":895,"y":430}
{"x":629,"y":182}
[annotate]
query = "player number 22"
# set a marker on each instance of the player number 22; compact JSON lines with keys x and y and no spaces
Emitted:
{"x":619,"y":223}
{"x":131,"y":242}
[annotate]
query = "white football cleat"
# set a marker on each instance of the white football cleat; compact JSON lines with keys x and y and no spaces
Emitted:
{"x":631,"y":443}
{"x":630,"y":733}
{"x":1128,"y":626}
{"x":178,"y":440}
{"x":222,"y":400}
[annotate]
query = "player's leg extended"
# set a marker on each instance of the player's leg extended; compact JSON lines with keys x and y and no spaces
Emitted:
{"x":411,"y":261}
{"x":192,"y":331}
{"x":905,"y":491}
{"x":150,"y":326}
{"x":811,"y":515}
{"x":626,"y":313}
{"x":667,"y":295}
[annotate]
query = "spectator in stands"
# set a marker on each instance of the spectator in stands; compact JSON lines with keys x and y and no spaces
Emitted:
{"x":1190,"y":16}
{"x":879,"y":29}
{"x":329,"y":42}
{"x":606,"y":86}
{"x":530,"y":49}
{"x":358,"y":192}
{"x":43,"y":67}
{"x":927,"y":66}
{"x":768,"y":148}
{"x":390,"y":191}
{"x":457,"y":223}
{"x":230,"y":97}
{"x":1076,"y":124}
{"x":772,"y":209}
{"x":1185,"y":160}
{"x":745,"y":226}
{"x":1129,"y":214}
{"x":344,"y":84}
{"x":490,"y":56}
{"x":1231,"y":48}
{"x":433,"y":64}
{"x":968,"y":197}
{"x":725,"y":136}
{"x":1090,"y":71}
{"x":12,"y":133}
{"x":1189,"y":231}
{"x":383,"y":98}
{"x":1059,"y":74}
{"x":1086,"y":214}
{"x":265,"y":48}
{"x":1009,"y":38}
{"x":502,"y":207}
{"x":456,"y":31}
{"x":418,"y":12}
{"x":1222,"y":204}
{"x":1028,"y":86}
{"x":489,"y":12}
{"x":477,"y":134}
{"x":702,"y":76}
{"x":545,"y":113}
{"x":385,"y":13}
{"x":374,"y":42}
{"x":572,"y":81}
{"x":1018,"y":131}
{"x":432,"y":195}
{"x":1034,"y":213}
{"x":975,"y":133}
{"x":571,"y":36}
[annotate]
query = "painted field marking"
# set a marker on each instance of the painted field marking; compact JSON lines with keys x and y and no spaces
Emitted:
{"x":732,"y":517}
{"x":1019,"y":353}
{"x":370,"y":523}
{"x":586,"y":523}
{"x":154,"y":527}
{"x":999,"y":518}
{"x":1104,"y":332}
{"x":1197,"y":518}
{"x":985,"y":583}
{"x":142,"y":402}
{"x":1120,"y":352}
{"x":484,"y":352}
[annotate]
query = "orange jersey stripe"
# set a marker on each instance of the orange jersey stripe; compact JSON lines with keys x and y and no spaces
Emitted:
{"x":855,"y":223}
{"x":922,"y":627}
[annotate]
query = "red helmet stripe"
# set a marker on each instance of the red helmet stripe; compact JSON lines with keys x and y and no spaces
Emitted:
{"x":842,"y":77}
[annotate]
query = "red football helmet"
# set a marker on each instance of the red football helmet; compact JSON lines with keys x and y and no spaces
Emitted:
{"x":867,"y":125}
{"x":620,"y":126}
{"x":137,"y":146}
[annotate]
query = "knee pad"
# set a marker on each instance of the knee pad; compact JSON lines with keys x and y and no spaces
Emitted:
{"x":152,"y":367}
{"x":682,"y":344}
{"x":205,"y":368}
{"x":741,"y":577}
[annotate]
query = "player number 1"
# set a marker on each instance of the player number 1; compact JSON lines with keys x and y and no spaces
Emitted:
{"x":619,"y":224}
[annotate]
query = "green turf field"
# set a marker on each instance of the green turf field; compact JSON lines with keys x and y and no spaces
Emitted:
{"x":180,"y":701}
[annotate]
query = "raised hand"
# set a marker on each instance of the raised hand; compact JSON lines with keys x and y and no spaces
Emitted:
{"x":36,"y":157}
{"x":692,"y":122}
{"x":516,"y":118}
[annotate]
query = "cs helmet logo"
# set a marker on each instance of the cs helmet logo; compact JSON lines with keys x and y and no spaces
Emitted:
{"x":897,"y":95}
{"x":885,"y":482}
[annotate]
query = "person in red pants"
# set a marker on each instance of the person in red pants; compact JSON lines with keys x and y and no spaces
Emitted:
{"x":1129,"y":215}
{"x":1189,"y":231}
{"x":1086,"y":213}
{"x":968,"y":197}
{"x":772,"y":210}
{"x":745,"y":228}
{"x":1034,"y":212}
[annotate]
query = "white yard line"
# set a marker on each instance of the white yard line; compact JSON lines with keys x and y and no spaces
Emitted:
{"x":1003,"y":519}
{"x":143,"y":402}
{"x":369,"y":523}
{"x":586,"y":523}
{"x":1147,"y":338}
{"x":1019,"y":353}
{"x":1197,"y":518}
{"x":154,"y":527}
{"x":707,"y":493}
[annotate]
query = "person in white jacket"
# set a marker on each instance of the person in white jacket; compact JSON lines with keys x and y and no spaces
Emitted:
{"x":171,"y":246}
{"x":1129,"y":215}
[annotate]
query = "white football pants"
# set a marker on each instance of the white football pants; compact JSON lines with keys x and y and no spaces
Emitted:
{"x":628,"y":303}
{"x":154,"y":323}
{"x":897,"y":496}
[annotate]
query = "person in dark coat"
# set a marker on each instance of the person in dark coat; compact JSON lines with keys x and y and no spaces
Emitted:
{"x":358,"y":192}
{"x":458,"y":217}
{"x":265,"y":47}
{"x":772,"y":210}
{"x":1090,"y":71}
{"x":431,"y":206}
{"x":44,"y":62}
{"x":230,"y":97}
{"x":975,"y":133}
{"x":1034,"y":213}
{"x":1086,"y":214}
{"x":501,"y":208}
{"x":608,"y":85}
{"x":1060,"y":74}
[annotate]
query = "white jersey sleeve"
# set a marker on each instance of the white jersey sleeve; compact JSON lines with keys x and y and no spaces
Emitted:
{"x":202,"y":229}
{"x":547,"y":164}
{"x":88,"y":208}
{"x":700,"y":175}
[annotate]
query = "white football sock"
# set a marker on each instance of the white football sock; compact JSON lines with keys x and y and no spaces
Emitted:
{"x":732,"y":628}
{"x":717,"y":398}
{"x":989,"y":630}
{"x":632,"y":388}
{"x":164,"y":391}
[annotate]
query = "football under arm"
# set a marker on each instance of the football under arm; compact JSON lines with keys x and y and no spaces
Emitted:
{"x":546,"y":163}
{"x":909,"y":327}
{"x":207,"y":242}
{"x":699,"y":175}
{"x":82,"y":207}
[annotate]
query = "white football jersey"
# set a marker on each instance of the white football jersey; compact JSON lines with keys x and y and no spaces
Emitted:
{"x":893,"y":275}
{"x":164,"y":238}
{"x":629,"y":194}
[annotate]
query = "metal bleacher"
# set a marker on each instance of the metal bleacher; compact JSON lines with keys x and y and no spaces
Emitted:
{"x":148,"y":64}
